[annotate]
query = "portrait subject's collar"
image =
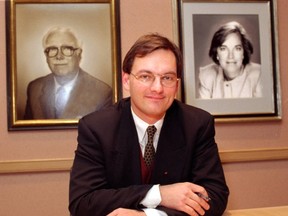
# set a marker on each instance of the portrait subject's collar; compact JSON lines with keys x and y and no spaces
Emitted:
{"x":68,"y":86}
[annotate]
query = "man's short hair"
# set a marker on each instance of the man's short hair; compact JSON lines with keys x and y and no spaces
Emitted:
{"x":57,"y":29}
{"x":148,"y":44}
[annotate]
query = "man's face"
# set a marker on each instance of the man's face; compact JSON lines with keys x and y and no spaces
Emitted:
{"x":150,"y":102}
{"x":62,"y":65}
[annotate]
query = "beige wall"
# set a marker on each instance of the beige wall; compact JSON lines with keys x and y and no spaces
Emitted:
{"x":252,"y":184}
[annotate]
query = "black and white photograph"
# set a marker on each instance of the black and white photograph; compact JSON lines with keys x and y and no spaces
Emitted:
{"x":225,"y":68}
{"x":230,"y":58}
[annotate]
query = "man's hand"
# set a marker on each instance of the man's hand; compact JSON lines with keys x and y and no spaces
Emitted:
{"x":126,"y":212}
{"x":183,"y":197}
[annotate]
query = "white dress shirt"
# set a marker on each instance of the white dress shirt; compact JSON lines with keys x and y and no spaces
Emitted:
{"x":68,"y":87}
{"x":153,"y":197}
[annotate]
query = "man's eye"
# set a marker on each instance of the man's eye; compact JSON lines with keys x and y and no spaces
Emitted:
{"x":67,"y":48}
{"x":145,"y":77}
{"x":168,"y":78}
{"x":51,"y":49}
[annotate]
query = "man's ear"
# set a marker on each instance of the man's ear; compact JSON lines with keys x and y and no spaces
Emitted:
{"x":79,"y":53}
{"x":125,"y":80}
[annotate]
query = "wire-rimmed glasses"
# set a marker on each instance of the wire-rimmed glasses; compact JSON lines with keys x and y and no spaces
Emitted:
{"x":168,"y":80}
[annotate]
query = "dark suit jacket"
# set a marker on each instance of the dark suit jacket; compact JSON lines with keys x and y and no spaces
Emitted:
{"x":106,"y":173}
{"x":88,"y":94}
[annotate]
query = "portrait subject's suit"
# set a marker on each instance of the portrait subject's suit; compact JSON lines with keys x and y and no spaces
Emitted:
{"x":213,"y":83}
{"x":88,"y":94}
{"x":108,"y":166}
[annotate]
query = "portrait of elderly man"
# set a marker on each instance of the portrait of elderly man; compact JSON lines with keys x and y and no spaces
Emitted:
{"x":68,"y":92}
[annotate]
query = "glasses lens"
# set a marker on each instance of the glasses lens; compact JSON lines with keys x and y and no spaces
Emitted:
{"x":169,"y":80}
{"x":67,"y":50}
{"x":145,"y":78}
{"x":51,"y":51}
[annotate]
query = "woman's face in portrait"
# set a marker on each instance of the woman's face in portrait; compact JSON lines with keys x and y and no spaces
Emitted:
{"x":230,"y":55}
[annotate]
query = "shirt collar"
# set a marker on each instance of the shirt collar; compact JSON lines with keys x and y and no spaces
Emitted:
{"x":68,"y":86}
{"x":141,"y":126}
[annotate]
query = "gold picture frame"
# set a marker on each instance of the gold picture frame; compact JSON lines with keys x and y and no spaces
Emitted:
{"x":96,"y":23}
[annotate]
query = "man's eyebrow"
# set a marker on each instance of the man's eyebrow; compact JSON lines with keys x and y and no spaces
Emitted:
{"x":148,"y":71}
{"x":145,"y":71}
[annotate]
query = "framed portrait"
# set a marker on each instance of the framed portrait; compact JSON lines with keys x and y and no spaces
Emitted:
{"x":230,"y":57}
{"x":72,"y":44}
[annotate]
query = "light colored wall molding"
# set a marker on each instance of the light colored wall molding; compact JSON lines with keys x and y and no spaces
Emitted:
{"x":47,"y":165}
{"x":64,"y":164}
{"x":250,"y":155}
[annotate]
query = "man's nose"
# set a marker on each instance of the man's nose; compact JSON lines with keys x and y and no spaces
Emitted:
{"x":156,"y":84}
{"x":59,"y":55}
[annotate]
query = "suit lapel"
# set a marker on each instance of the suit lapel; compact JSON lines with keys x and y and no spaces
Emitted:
{"x":170,"y":155}
{"x":78,"y":96}
{"x":47,"y":98}
{"x":75,"y":97}
{"x":127,"y":150}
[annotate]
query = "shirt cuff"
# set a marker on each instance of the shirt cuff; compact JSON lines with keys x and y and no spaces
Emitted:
{"x":152,"y":198}
{"x":154,"y":212}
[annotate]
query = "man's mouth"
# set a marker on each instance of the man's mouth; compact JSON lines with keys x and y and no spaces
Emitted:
{"x":60,"y":64}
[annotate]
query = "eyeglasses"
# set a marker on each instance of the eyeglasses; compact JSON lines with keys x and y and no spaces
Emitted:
{"x":168,"y":80}
{"x":52,"y":51}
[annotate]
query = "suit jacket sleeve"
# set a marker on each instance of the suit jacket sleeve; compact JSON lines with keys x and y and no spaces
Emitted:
{"x":90,"y":193}
{"x":197,"y":156}
{"x":208,"y":171}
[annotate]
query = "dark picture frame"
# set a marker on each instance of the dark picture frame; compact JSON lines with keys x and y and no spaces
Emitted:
{"x":197,"y":23}
{"x":96,"y":23}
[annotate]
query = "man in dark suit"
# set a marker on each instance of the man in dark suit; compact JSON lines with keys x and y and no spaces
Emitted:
{"x":119,"y":170}
{"x":68,"y":92}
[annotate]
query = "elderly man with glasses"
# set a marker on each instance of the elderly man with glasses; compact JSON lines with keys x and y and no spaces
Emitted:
{"x":68,"y":92}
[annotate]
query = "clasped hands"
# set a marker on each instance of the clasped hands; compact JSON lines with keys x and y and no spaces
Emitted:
{"x":179,"y":196}
{"x":183,"y":197}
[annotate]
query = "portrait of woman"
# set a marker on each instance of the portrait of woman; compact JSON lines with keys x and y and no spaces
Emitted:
{"x":229,"y":58}
{"x":232,"y":73}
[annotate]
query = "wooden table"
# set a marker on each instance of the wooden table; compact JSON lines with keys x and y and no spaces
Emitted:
{"x":268,"y":211}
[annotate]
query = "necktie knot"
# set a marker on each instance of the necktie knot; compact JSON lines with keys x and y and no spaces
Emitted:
{"x":151,"y":130}
{"x":149,"y":148}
